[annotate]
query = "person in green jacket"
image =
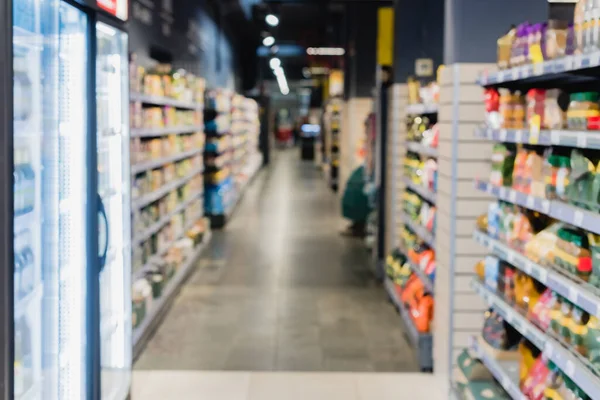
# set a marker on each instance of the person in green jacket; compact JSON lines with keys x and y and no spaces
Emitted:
{"x":355,"y":204}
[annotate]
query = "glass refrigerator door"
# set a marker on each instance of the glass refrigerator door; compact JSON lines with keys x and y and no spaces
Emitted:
{"x":114,"y":189}
{"x":50,"y":132}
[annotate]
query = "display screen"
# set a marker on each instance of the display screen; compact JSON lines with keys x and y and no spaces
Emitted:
{"x":118,"y":8}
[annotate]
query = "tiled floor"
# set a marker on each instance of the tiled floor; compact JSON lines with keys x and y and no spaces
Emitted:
{"x":281,"y":290}
{"x":195,"y":385}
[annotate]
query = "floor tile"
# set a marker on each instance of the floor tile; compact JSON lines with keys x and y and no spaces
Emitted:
{"x":302,"y":386}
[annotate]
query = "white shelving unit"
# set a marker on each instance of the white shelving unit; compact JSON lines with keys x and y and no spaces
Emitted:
{"x":152,"y":164}
{"x":174,"y":130}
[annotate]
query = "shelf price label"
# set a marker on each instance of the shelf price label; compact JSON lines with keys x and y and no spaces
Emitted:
{"x":578,"y":217}
{"x":530,"y":202}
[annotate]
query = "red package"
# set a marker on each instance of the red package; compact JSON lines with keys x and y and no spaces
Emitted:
{"x":535,"y":383}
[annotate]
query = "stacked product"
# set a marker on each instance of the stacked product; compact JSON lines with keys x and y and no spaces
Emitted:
{"x":167,"y":142}
{"x":333,"y":125}
{"x":245,"y":129}
{"x":541,"y":335}
{"x":221,"y":193}
{"x":422,"y":99}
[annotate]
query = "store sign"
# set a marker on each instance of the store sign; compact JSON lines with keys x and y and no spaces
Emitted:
{"x":118,"y":8}
{"x":423,"y":67}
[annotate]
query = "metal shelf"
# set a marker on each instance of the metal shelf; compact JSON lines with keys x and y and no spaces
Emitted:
{"x":420,"y":190}
{"x":152,"y":164}
{"x":499,"y":369}
{"x":417,"y":109}
{"x":418,"y":148}
{"x":555,"y":137}
{"x":419,"y":230}
{"x":581,"y":293}
{"x":163,"y":101}
{"x":423,"y":342}
{"x":556,"y":209}
{"x":155,"y":227}
{"x":150,"y":322}
{"x":174,"y":130}
{"x":547,"y":69}
{"x":151,"y":197}
{"x":567,"y":361}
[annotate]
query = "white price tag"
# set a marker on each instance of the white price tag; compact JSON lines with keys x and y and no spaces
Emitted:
{"x":503,"y":134}
{"x":576,"y":62}
{"x":545,"y":206}
{"x":570,"y":368}
{"x":554,"y":137}
{"x":528,"y":267}
{"x":581,"y":140}
{"x":509,"y":317}
{"x":506,"y":382}
{"x":568,"y":62}
{"x":548,"y":349}
{"x":519,"y":136}
{"x":538,"y":69}
{"x":543,"y":273}
{"x":530,"y":202}
{"x":578,"y":218}
{"x":503,"y":193}
{"x":512,"y":196}
{"x":510,"y":257}
{"x":573,"y":294}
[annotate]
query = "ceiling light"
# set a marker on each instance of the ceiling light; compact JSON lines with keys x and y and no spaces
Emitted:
{"x":325,"y":51}
{"x":269,"y":41}
{"x":272,"y":20}
{"x":275,"y":63}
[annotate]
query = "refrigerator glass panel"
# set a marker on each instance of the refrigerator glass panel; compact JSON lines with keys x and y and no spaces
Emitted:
{"x":72,"y":191}
{"x":50,"y":129}
{"x":114,"y":189}
{"x":35,"y":119}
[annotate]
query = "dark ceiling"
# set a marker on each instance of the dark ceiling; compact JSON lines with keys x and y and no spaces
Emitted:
{"x":302,"y":24}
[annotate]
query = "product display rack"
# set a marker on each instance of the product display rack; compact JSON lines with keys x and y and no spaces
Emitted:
{"x":527,"y":184}
{"x":167,"y":167}
{"x":142,"y":333}
{"x":333,"y":124}
{"x":505,"y":372}
{"x":414,"y":238}
{"x":232,"y":157}
{"x":423,"y":343}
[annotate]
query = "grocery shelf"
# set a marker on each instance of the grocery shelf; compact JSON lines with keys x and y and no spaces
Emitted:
{"x":139,"y":272}
{"x":576,"y":216}
{"x":420,"y":273}
{"x":419,"y":230}
{"x":163,"y":101}
{"x":579,"y":293}
{"x":418,"y":148}
{"x":173,"y":130}
{"x":151,"y":197}
{"x":420,"y":190}
{"x":423,"y":342}
{"x":546,"y":70}
{"x":159,"y":162}
{"x":514,"y":196}
{"x":505,"y":372}
{"x":142,"y":333}
{"x":421,"y":109}
{"x":570,"y":363}
{"x":154,"y":228}
{"x":554,"y":137}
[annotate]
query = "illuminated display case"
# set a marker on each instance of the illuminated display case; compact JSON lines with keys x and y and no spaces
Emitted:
{"x":67,"y":297}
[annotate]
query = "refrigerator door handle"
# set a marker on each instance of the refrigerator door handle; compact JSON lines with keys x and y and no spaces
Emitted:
{"x":104,"y":217}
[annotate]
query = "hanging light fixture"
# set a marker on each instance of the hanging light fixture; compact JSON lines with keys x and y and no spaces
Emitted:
{"x":272,"y":20}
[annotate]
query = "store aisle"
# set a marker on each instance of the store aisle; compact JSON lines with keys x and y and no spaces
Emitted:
{"x":281,"y":290}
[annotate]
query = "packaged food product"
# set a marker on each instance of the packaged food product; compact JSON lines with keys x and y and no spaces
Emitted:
{"x":592,"y":341}
{"x":557,"y":173}
{"x":572,"y":252}
{"x":556,"y":314}
{"x":565,"y":321}
{"x":492,"y":108}
{"x":508,"y":275}
{"x":554,"y":116}
{"x":505,"y":45}
{"x":582,"y":107}
{"x":578,"y":23}
{"x":578,"y":330}
{"x":499,"y":334}
{"x":503,"y":160}
{"x":539,"y":314}
{"x":535,"y":382}
{"x":528,"y":355}
{"x":492,"y":272}
{"x":556,"y":39}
